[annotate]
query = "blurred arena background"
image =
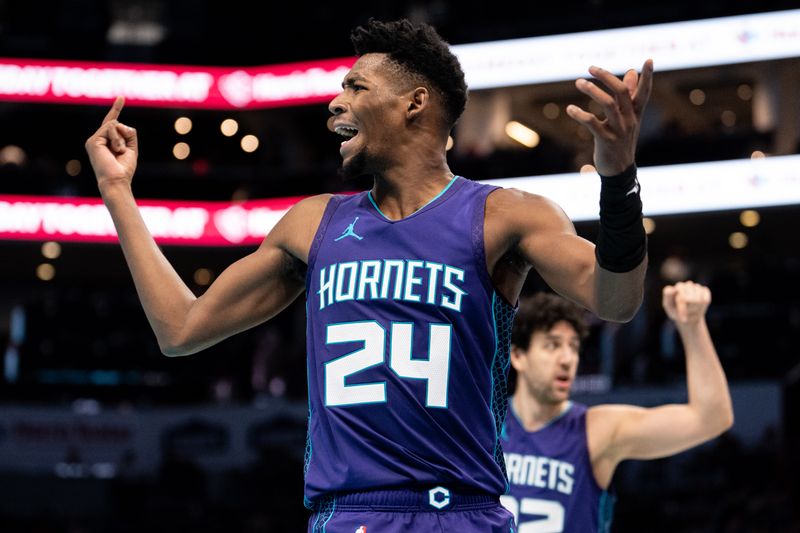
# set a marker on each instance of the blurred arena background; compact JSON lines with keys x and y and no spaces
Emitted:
{"x":99,"y":432}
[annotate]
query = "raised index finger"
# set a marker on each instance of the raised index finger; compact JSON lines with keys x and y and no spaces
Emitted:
{"x":115,"y":110}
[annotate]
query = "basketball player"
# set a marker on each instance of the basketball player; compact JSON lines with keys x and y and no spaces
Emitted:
{"x":561,"y":455}
{"x":407,"y":285}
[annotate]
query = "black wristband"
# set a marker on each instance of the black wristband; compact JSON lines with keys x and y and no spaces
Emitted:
{"x":621,"y":241}
{"x":620,"y":180}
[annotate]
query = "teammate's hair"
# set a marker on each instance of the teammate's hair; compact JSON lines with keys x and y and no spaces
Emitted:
{"x":541,"y":312}
{"x":420,"y":52}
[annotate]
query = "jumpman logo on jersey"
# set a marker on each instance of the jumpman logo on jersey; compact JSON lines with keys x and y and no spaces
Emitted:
{"x":349,"y":232}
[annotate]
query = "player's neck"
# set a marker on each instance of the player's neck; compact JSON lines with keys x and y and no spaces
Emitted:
{"x":533,"y":414}
{"x":404,"y":189}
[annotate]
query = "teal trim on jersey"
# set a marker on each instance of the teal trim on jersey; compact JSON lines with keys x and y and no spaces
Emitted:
{"x":559,"y":416}
{"x":605,"y":512}
{"x":333,"y":510}
{"x":378,"y":209}
{"x":452,"y":181}
{"x":429,"y":202}
{"x":499,"y":374}
{"x":309,"y":445}
{"x":314,"y":526}
{"x":549,"y":423}
{"x":324,"y":510}
{"x":491,"y":404}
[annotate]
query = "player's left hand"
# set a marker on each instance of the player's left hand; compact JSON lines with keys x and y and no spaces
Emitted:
{"x":686,"y":302}
{"x":615,"y":136}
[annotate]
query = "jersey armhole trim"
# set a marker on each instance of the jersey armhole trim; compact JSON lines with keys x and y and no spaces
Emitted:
{"x":327,"y":215}
{"x":478,"y":241}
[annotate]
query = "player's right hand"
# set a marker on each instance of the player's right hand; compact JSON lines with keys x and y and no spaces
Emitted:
{"x":686,"y":302}
{"x":113,"y":149}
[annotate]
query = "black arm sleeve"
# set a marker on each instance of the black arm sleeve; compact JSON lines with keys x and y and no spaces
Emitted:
{"x":622,"y":241}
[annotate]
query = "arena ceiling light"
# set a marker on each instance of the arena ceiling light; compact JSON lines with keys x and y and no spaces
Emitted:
{"x":522,"y":134}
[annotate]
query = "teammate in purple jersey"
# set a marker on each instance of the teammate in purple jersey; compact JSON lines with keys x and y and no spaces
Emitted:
{"x":407,"y":286}
{"x":560,"y":455}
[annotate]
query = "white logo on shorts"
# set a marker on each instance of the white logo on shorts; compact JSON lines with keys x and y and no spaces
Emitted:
{"x":439,"y":497}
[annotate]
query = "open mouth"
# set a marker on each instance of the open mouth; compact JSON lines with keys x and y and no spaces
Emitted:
{"x":349,"y":133}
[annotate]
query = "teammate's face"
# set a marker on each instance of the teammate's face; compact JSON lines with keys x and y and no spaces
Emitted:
{"x":547,"y":369}
{"x":369,"y":113}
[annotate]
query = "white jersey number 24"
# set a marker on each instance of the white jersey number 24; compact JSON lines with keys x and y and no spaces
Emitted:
{"x":434,"y":370}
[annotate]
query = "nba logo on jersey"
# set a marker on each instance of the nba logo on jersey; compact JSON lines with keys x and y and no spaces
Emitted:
{"x":362,"y":529}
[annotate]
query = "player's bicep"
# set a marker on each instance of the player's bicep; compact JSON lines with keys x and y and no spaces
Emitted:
{"x":565,"y":260}
{"x":258,"y":286}
{"x":652,"y":433}
{"x":248,"y":292}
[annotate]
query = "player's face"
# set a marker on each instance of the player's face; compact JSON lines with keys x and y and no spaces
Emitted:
{"x":368,"y":113}
{"x":549,"y":366}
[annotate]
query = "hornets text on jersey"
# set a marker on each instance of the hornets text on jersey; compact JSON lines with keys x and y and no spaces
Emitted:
{"x":552,"y":485}
{"x":408,"y":349}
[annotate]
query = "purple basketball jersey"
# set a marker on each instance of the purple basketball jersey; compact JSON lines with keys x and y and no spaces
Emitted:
{"x":552,"y":485}
{"x":407,"y":349}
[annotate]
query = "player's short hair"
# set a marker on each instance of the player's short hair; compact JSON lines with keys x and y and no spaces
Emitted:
{"x":420,"y":52}
{"x":541,"y":312}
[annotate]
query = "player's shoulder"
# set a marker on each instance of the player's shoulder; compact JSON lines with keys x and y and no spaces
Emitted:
{"x":306,"y":212}
{"x":296,"y":229}
{"x":310,"y":204}
{"x":508,"y":200}
{"x":521,"y":210}
{"x":510,"y":196}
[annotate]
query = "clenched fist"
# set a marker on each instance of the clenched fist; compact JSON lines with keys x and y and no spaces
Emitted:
{"x":686,"y":302}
